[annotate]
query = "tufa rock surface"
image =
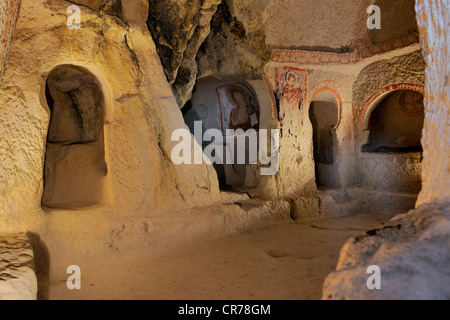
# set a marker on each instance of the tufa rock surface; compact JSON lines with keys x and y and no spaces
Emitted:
{"x":412,"y":253}
{"x":17,"y":277}
{"x":179,"y":28}
{"x":9,"y":13}
{"x":237,"y":42}
{"x":433,"y":20}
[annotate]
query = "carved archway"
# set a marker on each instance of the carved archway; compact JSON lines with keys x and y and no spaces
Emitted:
{"x":372,"y":102}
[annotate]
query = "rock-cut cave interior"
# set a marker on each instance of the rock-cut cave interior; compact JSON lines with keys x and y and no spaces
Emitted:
{"x":224,"y":149}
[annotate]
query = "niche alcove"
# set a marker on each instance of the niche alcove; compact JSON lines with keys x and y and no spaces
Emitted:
{"x":396,"y":123}
{"x":393,"y":150}
{"x":75,"y":159}
{"x":324,"y":116}
{"x":228,"y":103}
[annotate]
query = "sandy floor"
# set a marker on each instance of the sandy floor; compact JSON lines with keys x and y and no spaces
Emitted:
{"x":284,"y":261}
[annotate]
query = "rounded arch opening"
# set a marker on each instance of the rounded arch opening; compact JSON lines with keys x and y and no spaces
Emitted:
{"x":75,"y":166}
{"x":229,"y":105}
{"x":324,"y":115}
{"x":395,"y":123}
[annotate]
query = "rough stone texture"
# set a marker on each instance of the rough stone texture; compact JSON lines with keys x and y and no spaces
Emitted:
{"x":188,"y":50}
{"x":206,"y":106}
{"x":337,"y":26}
{"x":295,"y":24}
{"x":9,"y":13}
{"x":391,"y":172}
{"x":145,"y":197}
{"x":243,"y":32}
{"x":179,"y":29}
{"x":237,"y":42}
{"x":399,"y":25}
{"x":76,"y":104}
{"x":396,"y":123}
{"x":75,"y":143}
{"x":92,"y":4}
{"x":433,"y":19}
{"x":412,"y":249}
{"x":330,"y":204}
{"x":83,"y":165}
{"x":187,"y":74}
{"x":412,"y":252}
{"x":141,"y":113}
{"x":408,"y":68}
{"x":351,"y":85}
{"x":17,"y":276}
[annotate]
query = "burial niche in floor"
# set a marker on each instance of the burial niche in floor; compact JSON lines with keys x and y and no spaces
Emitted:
{"x":75,"y":165}
{"x":324,"y":116}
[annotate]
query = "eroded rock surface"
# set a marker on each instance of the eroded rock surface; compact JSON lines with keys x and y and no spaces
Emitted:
{"x":17,"y":277}
{"x":9,"y":13}
{"x":140,"y":113}
{"x":411,"y":251}
{"x":433,"y":20}
{"x":237,"y":42}
{"x":179,"y":29}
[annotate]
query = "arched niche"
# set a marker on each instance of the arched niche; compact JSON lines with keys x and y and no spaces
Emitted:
{"x":324,"y":115}
{"x":394,"y":123}
{"x":391,"y":158}
{"x":75,"y":166}
{"x":227,"y":103}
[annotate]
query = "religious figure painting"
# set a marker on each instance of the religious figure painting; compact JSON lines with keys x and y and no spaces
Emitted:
{"x":291,"y":85}
{"x":238,"y":108}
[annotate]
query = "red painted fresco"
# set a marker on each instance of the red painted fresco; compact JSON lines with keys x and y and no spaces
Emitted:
{"x":392,"y":87}
{"x":291,"y":85}
{"x":412,"y":104}
{"x":364,"y":48}
{"x":272,"y":98}
{"x":243,"y":116}
{"x":328,"y":85}
{"x":419,"y":88}
{"x":238,"y":107}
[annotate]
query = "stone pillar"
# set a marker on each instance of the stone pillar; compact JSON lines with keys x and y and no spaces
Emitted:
{"x":9,"y":12}
{"x":433,"y":17}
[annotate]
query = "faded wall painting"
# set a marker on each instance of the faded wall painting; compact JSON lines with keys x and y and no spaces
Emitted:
{"x":412,"y":103}
{"x":238,"y":108}
{"x":289,"y":88}
{"x":291,"y":85}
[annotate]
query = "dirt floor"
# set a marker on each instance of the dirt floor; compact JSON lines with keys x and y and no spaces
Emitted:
{"x":287,"y":261}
